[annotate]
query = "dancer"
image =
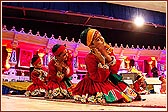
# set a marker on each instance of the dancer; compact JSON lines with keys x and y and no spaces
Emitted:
{"x":102,"y":66}
{"x":38,"y":77}
{"x":60,"y":70}
{"x":163,"y":85}
{"x":140,"y":85}
{"x":154,"y":71}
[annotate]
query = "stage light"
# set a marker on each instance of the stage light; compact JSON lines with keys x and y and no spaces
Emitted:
{"x":139,"y":21}
{"x":9,"y":50}
{"x":7,"y":65}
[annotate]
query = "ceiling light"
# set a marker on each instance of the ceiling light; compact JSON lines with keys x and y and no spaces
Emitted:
{"x":139,"y":21}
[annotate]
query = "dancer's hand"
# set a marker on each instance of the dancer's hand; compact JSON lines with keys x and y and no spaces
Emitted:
{"x":104,"y":52}
{"x":99,"y":55}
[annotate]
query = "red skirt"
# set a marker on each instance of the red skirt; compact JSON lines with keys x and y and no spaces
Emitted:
{"x":58,"y":89}
{"x":36,"y":90}
{"x":33,"y":87}
{"x":89,"y":90}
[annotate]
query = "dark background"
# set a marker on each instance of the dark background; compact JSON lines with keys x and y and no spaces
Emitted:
{"x":59,"y":25}
{"x":73,"y":31}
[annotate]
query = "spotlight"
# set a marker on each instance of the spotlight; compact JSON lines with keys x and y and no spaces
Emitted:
{"x":139,"y":21}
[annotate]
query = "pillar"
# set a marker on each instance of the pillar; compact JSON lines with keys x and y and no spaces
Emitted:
{"x":12,"y":61}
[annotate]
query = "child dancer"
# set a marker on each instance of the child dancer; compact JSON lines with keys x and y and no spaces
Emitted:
{"x":38,"y":76}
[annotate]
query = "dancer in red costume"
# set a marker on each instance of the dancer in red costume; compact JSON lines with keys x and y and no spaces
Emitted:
{"x":38,"y":76}
{"x":60,"y":70}
{"x":163,"y":84}
{"x":101,"y":83}
{"x":140,"y":85}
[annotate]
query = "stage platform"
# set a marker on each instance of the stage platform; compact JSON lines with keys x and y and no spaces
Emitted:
{"x":153,"y":85}
{"x":153,"y":102}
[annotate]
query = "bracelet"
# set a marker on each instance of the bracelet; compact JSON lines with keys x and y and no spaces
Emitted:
{"x":100,"y":65}
{"x":103,"y":66}
{"x":113,"y":62}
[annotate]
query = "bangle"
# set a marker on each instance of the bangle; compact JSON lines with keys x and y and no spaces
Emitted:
{"x":113,"y":62}
{"x":103,"y":66}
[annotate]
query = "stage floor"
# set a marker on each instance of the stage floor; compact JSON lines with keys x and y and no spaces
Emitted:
{"x":21,"y":103}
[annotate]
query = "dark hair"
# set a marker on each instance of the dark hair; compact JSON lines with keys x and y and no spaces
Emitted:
{"x":161,"y":77}
{"x":55,"y":47}
{"x":35,"y":57}
{"x":83,"y":36}
{"x":137,"y":77}
{"x":132,"y":62}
